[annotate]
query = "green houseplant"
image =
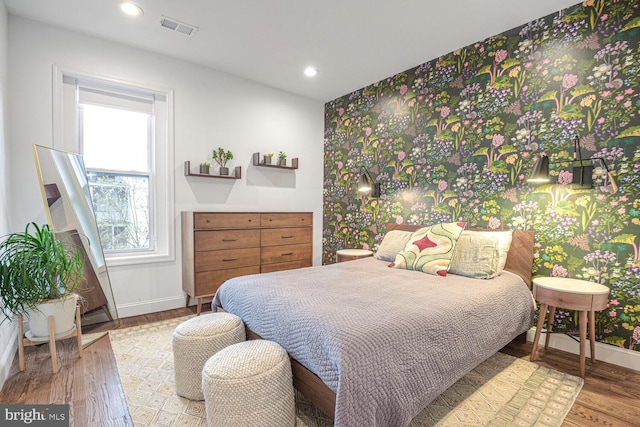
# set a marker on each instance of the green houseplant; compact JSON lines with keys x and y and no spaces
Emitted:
{"x":282,"y":158}
{"x":267,"y":158}
{"x":204,"y":168}
{"x":221,"y":157}
{"x":38,"y":275}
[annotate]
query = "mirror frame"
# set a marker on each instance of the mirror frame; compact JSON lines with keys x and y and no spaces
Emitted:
{"x":70,"y":194}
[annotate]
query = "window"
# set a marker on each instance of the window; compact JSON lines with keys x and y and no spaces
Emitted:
{"x":122,"y":132}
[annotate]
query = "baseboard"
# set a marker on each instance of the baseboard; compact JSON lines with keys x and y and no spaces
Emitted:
{"x":604,"y":352}
{"x":150,"y":306}
{"x":7,"y":356}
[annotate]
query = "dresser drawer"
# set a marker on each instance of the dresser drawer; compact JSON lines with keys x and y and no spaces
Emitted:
{"x":213,"y":240}
{"x":293,"y":219}
{"x":217,"y":246}
{"x":280,"y":266}
{"x":222,"y":260}
{"x":208,"y":282}
{"x":286,"y":253}
{"x":285,"y":236}
{"x":204,"y":221}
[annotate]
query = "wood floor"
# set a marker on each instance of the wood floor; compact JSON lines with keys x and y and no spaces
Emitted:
{"x":610,"y":396}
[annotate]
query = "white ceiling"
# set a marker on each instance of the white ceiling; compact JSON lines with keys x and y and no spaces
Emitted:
{"x":352,"y":42}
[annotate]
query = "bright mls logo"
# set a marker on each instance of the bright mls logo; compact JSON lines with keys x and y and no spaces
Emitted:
{"x":36,"y":415}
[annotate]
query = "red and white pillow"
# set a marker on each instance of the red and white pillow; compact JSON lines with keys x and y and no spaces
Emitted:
{"x":430,"y":249}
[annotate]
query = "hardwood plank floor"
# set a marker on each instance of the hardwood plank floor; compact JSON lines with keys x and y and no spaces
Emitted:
{"x":610,"y":396}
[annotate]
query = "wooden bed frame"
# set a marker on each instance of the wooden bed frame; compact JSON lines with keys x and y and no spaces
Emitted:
{"x":519,"y":261}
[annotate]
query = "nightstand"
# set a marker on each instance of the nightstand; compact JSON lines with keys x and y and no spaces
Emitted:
{"x":351,"y":254}
{"x":572,"y":294}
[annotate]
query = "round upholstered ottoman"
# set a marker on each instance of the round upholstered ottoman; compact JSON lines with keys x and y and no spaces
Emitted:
{"x":249,"y":385}
{"x":195,"y":341}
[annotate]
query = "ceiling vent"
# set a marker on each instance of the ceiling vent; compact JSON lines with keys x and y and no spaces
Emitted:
{"x":180,"y":27}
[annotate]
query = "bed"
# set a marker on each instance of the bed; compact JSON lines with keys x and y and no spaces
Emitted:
{"x":371,"y":345}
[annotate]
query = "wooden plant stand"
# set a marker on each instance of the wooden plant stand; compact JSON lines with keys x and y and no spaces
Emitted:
{"x":23,"y":341}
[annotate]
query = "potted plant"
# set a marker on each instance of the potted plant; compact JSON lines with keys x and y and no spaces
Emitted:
{"x":282,"y":159}
{"x":204,"y":168}
{"x":38,"y":276}
{"x":267,"y":158}
{"x":221,"y":157}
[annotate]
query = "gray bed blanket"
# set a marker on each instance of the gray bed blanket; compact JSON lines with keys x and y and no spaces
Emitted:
{"x":386,"y":341}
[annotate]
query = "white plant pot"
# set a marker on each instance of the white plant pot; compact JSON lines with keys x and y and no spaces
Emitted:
{"x":63,"y":311}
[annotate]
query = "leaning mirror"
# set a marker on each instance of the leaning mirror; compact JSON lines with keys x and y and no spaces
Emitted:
{"x":67,"y":200}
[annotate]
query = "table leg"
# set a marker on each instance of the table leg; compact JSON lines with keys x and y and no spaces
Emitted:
{"x":79,"y":331}
{"x":583,"y":338}
{"x":21,"y":342}
{"x":52,"y":345}
{"x":199,"y":309}
{"x":541,"y":316}
{"x":592,"y":334}
{"x":552,"y":314}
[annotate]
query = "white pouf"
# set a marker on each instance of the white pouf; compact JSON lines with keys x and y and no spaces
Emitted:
{"x":249,"y":385}
{"x":195,"y":341}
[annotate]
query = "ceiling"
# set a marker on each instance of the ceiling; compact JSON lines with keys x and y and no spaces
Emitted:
{"x":353,"y":43}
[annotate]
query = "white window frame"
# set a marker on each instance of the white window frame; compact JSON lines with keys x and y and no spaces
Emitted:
{"x":65,"y":137}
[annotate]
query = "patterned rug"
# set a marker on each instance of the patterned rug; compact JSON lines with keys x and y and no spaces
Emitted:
{"x":502,"y":391}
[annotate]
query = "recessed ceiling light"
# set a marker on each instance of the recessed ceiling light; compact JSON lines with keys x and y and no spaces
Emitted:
{"x":310,"y":72}
{"x":131,"y":9}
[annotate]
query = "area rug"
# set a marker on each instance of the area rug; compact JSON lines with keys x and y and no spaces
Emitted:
{"x":502,"y":391}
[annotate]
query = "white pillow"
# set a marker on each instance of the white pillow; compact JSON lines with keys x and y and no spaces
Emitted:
{"x":475,"y":256}
{"x":504,"y":243}
{"x":392,"y":243}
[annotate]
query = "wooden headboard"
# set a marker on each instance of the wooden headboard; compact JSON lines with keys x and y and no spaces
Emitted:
{"x":519,"y":257}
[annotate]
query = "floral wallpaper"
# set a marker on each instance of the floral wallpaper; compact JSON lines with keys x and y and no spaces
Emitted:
{"x":454,"y":139}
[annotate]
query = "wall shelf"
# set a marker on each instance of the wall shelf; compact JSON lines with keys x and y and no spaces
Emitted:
{"x":187,"y":172}
{"x":256,"y":162}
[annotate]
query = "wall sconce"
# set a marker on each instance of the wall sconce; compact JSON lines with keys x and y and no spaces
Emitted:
{"x":582,"y":173}
{"x":367,"y":184}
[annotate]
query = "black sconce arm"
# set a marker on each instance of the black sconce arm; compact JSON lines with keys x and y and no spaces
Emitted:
{"x":582,"y":174}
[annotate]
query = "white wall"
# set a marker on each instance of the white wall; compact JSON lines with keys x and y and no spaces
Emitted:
{"x":211,"y":109}
{"x":8,"y":334}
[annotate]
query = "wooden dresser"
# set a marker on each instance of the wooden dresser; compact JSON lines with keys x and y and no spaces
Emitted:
{"x":217,"y":246}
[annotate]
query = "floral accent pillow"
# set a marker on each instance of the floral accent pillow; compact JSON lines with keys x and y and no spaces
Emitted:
{"x":430,"y":249}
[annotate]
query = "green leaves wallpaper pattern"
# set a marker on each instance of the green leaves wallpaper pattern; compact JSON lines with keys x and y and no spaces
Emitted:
{"x":454,"y":139}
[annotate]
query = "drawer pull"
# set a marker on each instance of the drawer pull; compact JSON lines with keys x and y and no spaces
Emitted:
{"x":229,"y":240}
{"x":229,"y":259}
{"x":287,"y":237}
{"x":288,"y":253}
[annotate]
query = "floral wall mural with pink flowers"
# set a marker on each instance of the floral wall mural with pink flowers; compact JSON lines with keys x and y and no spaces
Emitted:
{"x":455,"y":138}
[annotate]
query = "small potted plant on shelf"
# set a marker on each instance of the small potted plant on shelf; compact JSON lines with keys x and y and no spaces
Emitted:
{"x":282,"y":159}
{"x":267,"y":158}
{"x":38,"y":276}
{"x":204,"y":168}
{"x":221,"y":157}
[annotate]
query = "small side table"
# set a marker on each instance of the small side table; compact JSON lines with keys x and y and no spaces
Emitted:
{"x":351,"y":254}
{"x":23,"y":341}
{"x":572,"y":294}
